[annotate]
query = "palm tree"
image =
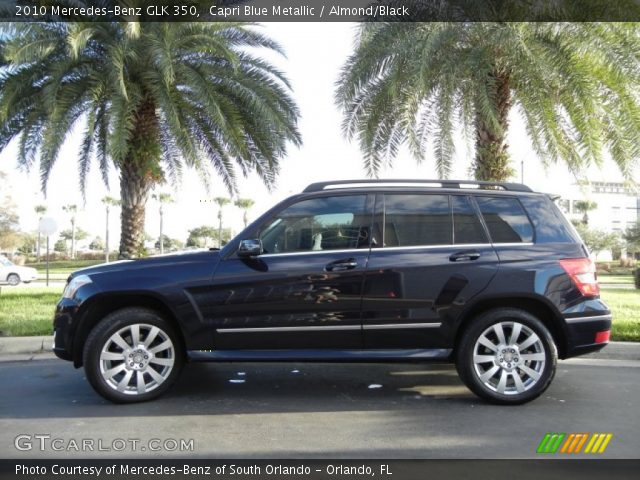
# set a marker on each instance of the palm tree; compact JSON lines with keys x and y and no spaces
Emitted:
{"x":162,"y":198}
{"x":152,"y":97}
{"x":108,"y":202}
{"x":221,"y":202}
{"x":245,"y":204}
{"x":72,"y":210}
{"x":575,"y":85}
{"x":40,"y":211}
{"x":584,"y":207}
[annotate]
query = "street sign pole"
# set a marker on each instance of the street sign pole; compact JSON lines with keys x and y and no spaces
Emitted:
{"x":47,"y":226}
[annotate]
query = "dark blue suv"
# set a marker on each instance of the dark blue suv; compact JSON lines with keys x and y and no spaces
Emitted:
{"x":490,"y":276}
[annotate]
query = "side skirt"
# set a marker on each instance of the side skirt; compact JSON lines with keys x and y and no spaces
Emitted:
{"x":328,"y":355}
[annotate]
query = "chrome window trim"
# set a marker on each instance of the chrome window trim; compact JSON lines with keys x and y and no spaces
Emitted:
{"x":433,"y":247}
{"x":514,"y":244}
{"x":313,"y":252}
{"x":408,"y":247}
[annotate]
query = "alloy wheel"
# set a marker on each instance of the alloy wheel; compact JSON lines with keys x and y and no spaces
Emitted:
{"x":509,"y":358}
{"x":137,"y":359}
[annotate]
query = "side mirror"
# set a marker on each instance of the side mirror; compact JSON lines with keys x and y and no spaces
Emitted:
{"x":250,"y":248}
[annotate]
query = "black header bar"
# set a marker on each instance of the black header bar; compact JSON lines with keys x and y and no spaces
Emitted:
{"x":320,"y":10}
{"x":314,"y":469}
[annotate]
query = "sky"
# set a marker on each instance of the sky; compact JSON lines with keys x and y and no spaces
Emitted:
{"x":315,"y":54}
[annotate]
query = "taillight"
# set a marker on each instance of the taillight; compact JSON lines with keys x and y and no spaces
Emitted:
{"x":583,"y":274}
{"x":603,"y":336}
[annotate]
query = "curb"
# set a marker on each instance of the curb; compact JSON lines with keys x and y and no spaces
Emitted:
{"x":22,"y":345}
{"x":10,"y":347}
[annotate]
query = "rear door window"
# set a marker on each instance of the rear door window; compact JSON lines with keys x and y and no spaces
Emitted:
{"x":414,"y":220}
{"x":466,"y":224}
{"x":506,"y":219}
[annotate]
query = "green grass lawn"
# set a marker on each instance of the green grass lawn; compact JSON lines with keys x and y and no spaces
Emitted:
{"x":69,"y":265}
{"x":615,"y":279}
{"x":60,"y":270}
{"x":625,"y":305}
{"x":28,"y":311}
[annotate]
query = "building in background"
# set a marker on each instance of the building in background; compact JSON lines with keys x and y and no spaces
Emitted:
{"x":617,"y":206}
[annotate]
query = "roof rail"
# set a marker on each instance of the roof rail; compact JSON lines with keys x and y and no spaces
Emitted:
{"x":513,"y":187}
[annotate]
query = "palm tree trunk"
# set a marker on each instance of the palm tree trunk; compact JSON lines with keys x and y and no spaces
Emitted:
{"x":492,"y":158}
{"x":138,"y":173}
{"x":134,"y":189}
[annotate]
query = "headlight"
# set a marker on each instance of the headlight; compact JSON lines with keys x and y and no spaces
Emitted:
{"x":73,"y":286}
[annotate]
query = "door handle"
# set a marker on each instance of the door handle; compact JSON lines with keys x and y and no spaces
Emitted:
{"x":465,"y":255}
{"x":338,"y":265}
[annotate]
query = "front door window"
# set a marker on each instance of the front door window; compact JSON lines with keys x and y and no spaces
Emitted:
{"x":319,"y":224}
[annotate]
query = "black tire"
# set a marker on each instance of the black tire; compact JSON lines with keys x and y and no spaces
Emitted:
{"x":510,"y":362}
{"x":100,"y":342}
{"x":13,"y":279}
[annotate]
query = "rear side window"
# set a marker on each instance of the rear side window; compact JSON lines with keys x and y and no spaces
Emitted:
{"x":417,"y":220}
{"x":466,"y":224}
{"x":506,"y":220}
{"x":550,"y":224}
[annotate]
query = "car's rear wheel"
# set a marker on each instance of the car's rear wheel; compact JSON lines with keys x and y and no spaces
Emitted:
{"x":132,"y":355}
{"x":13,"y":279}
{"x":507,"y":356}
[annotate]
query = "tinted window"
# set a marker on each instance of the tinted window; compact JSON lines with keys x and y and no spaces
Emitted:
{"x":505,"y":219}
{"x":466,"y":224}
{"x":550,"y":224}
{"x":417,"y":220}
{"x":326,"y":223}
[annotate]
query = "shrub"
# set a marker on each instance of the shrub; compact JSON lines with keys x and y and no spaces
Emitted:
{"x":628,"y":262}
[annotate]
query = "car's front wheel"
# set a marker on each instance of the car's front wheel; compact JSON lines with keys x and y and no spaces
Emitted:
{"x":507,"y":356}
{"x":132,"y":355}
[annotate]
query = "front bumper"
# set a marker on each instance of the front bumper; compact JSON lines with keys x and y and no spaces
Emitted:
{"x":582,"y":332}
{"x":63,"y":331}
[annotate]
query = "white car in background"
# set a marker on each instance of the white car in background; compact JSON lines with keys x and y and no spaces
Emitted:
{"x":14,"y":274}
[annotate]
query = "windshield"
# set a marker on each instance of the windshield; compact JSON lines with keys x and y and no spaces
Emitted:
{"x":5,"y":262}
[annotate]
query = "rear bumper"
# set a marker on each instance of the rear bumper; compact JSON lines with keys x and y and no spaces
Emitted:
{"x":582,"y":331}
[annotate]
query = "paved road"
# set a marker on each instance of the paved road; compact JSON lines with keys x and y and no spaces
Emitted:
{"x":322,"y":410}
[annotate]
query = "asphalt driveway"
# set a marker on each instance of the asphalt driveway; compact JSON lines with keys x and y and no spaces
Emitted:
{"x":317,"y":410}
